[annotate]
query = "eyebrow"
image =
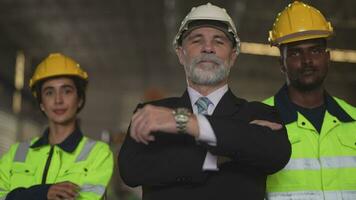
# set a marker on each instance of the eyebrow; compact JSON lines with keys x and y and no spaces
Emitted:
{"x":315,"y":45}
{"x":62,"y":86}
{"x":190,"y":37}
{"x":199,"y":35}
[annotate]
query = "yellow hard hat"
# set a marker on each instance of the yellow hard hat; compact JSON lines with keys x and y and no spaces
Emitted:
{"x":299,"y":21}
{"x":57,"y":64}
{"x":207,"y":12}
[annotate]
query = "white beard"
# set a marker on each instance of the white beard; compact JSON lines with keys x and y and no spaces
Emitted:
{"x":209,"y":73}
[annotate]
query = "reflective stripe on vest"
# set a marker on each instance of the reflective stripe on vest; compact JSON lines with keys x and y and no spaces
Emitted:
{"x":97,"y":189}
{"x":313,"y":195}
{"x":2,"y":190}
{"x":325,"y":162}
{"x":342,"y":194}
{"x":88,"y":146}
{"x":21,"y":151}
{"x":3,"y":198}
{"x":339,"y":162}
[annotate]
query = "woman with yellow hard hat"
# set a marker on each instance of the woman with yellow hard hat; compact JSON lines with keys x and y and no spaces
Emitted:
{"x":62,"y":163}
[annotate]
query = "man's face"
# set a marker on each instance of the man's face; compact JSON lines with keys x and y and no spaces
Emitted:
{"x":305,"y":64}
{"x":60,"y":100}
{"x":207,"y":55}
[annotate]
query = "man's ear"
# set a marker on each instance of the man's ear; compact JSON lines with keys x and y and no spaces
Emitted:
{"x":233,"y":56}
{"x":328,"y":55}
{"x":282,"y":64}
{"x":180,"y":55}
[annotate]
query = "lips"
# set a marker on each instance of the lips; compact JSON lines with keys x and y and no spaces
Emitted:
{"x":208,"y":61}
{"x":208,"y":64}
{"x":59,"y":111}
{"x":308,"y":71}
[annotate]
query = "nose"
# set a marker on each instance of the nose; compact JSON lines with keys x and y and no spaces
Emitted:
{"x":208,"y":47}
{"x":59,"y":98}
{"x":307,"y":58}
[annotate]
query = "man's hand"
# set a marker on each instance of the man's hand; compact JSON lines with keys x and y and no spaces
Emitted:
{"x":150,"y":119}
{"x":272,"y":125}
{"x":63,"y":191}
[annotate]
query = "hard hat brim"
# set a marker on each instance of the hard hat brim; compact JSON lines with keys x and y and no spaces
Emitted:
{"x":207,"y":23}
{"x":299,"y":36}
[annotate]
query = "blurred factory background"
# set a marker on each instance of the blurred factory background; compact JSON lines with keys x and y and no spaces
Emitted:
{"x":126,"y":47}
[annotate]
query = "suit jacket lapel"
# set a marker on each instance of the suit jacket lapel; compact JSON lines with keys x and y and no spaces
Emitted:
{"x":228,"y":104}
{"x":184,"y":101}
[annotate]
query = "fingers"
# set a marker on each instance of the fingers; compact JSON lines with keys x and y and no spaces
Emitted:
{"x":142,"y":125}
{"x":136,"y":122}
{"x":63,"y":190}
{"x":150,"y":119}
{"x":272,"y":125}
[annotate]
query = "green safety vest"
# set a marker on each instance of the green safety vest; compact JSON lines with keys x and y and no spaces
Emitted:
{"x":90,"y":166}
{"x":322,"y":165}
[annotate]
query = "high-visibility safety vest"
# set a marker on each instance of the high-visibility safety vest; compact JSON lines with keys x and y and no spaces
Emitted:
{"x":90,"y":166}
{"x":322,"y":165}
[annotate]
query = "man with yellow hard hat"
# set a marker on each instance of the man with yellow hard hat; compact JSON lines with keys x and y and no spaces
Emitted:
{"x":62,"y":163}
{"x":207,"y":144}
{"x":321,"y":128}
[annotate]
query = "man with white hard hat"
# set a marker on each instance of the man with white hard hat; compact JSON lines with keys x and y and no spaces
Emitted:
{"x":206,"y":144}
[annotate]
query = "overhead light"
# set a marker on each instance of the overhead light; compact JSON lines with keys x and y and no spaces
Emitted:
{"x":258,"y":49}
{"x":343,"y":55}
{"x":20,"y":70}
{"x":19,"y":82}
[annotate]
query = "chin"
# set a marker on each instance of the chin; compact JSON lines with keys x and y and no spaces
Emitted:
{"x":308,"y":86}
{"x":64,"y":121}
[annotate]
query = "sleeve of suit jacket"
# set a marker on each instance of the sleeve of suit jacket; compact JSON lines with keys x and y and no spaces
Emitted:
{"x":178,"y":158}
{"x":249,"y":144}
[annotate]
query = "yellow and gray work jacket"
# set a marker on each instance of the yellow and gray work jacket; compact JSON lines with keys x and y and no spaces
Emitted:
{"x":28,"y":169}
{"x":322,"y":165}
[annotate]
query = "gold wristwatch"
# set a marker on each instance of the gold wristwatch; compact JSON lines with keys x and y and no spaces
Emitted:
{"x":181,"y":116}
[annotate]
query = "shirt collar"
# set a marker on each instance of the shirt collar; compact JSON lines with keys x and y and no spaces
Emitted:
{"x":214,"y":97}
{"x":68,"y":145}
{"x":289,"y":114}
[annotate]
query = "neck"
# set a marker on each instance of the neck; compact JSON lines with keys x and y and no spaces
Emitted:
{"x":205,"y":90}
{"x":307,"y":99}
{"x":58,"y":133}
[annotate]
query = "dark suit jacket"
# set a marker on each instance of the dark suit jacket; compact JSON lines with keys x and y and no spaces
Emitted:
{"x":171,"y":167}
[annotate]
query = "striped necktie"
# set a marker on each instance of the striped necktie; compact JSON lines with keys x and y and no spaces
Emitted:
{"x":202,"y":104}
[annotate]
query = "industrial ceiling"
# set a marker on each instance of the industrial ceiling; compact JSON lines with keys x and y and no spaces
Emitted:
{"x":126,"y":48}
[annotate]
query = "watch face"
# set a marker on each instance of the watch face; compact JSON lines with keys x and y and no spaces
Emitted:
{"x":182,"y":117}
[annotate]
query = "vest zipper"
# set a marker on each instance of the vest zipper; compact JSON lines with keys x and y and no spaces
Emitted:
{"x":48,"y":163}
{"x":321,"y":166}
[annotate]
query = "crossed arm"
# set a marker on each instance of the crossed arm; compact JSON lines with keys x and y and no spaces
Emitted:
{"x":99,"y":174}
{"x":150,"y":119}
{"x":154,"y":153}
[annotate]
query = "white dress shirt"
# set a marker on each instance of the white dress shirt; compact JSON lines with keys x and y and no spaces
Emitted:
{"x":207,"y":134}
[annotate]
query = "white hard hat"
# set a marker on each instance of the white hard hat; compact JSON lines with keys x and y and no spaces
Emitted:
{"x":208,"y":14}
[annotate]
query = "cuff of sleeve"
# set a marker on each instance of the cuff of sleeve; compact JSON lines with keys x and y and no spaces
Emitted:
{"x":36,"y":192}
{"x":210,"y":162}
{"x":206,"y":132}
